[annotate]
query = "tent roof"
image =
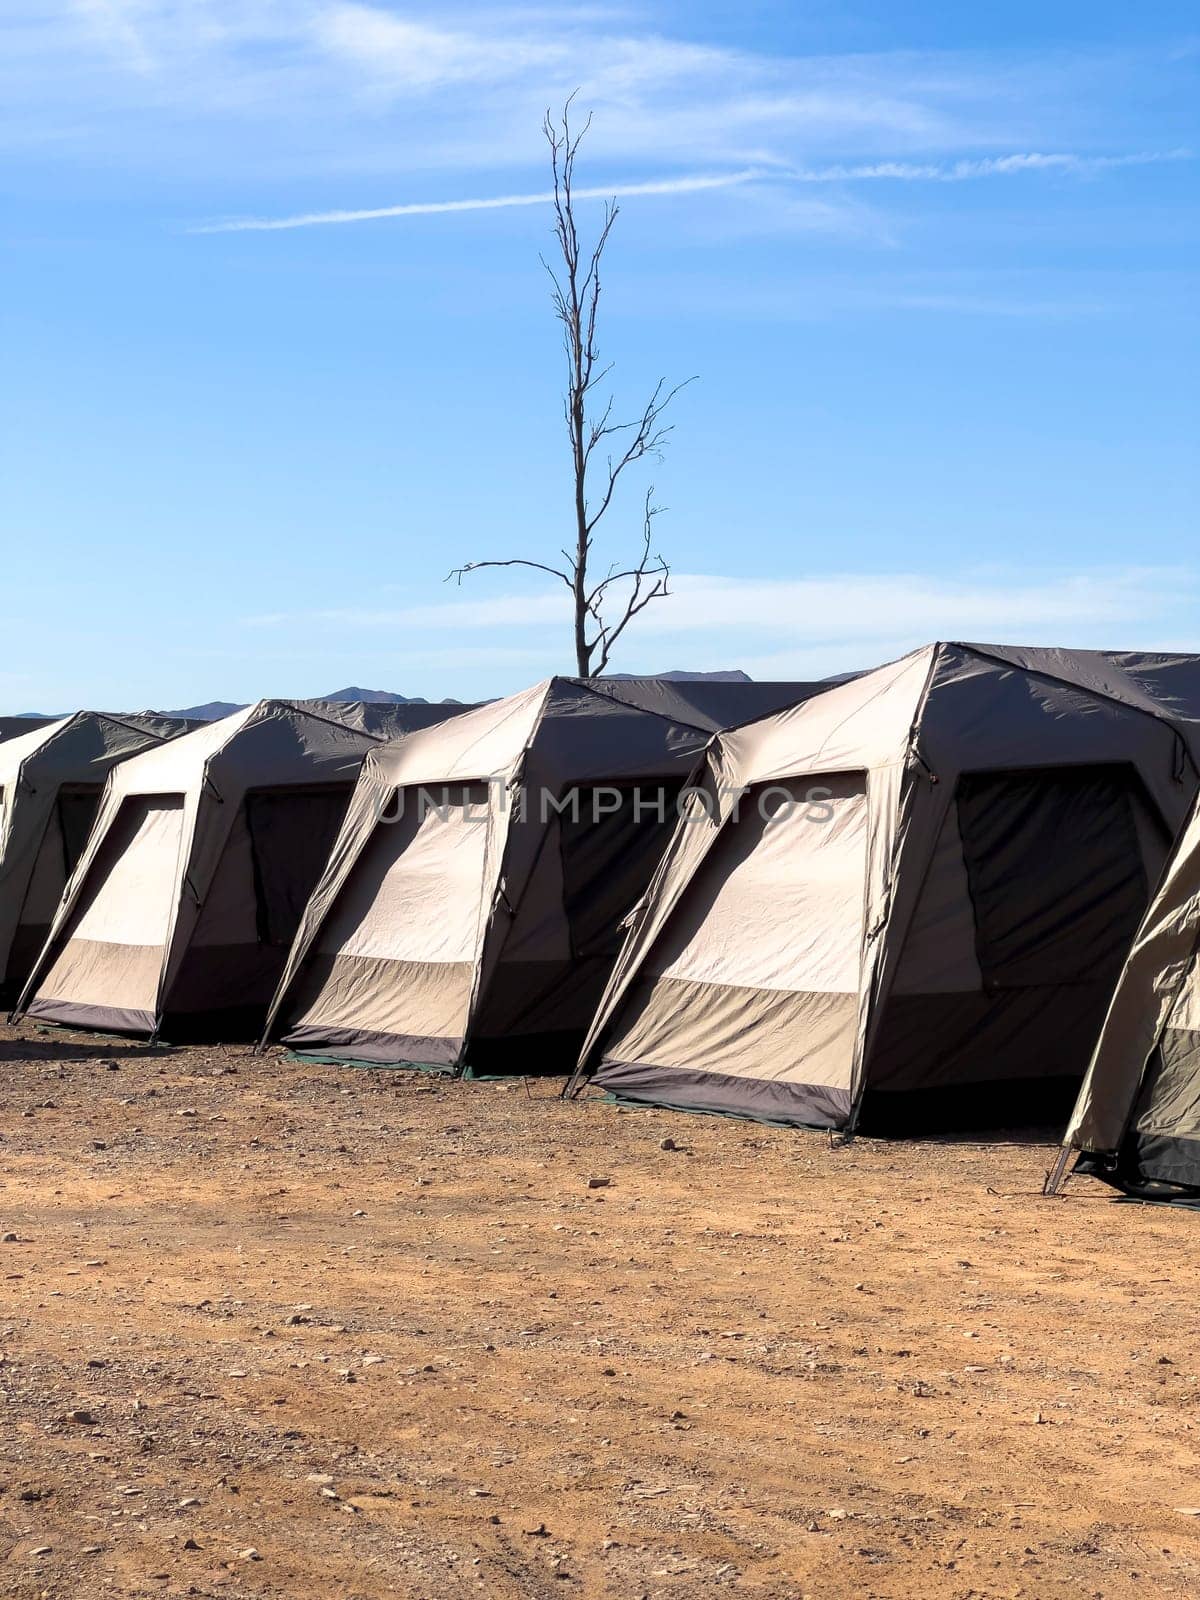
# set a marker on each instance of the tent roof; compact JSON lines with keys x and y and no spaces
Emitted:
{"x":705,"y":702}
{"x":584,"y":728}
{"x":267,"y":740}
{"x":74,"y":747}
{"x":958,"y":688}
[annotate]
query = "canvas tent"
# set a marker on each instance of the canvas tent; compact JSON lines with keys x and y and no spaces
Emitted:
{"x":1136,"y":1123}
{"x":185,"y":902}
{"x":906,"y":900}
{"x":51,"y":777}
{"x":476,"y":934}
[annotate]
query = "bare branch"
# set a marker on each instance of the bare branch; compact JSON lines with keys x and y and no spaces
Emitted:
{"x":517,"y":561}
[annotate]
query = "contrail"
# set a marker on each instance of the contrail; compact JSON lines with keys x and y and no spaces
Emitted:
{"x":429,"y":208}
{"x":879,"y":171}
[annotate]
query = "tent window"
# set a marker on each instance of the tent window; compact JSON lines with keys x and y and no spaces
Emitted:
{"x":291,"y":832}
{"x":608,"y":857}
{"x":1055,"y":873}
{"x":77,"y":807}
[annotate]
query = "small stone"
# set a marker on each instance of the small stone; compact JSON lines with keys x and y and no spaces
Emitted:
{"x":667,"y":1144}
{"x":190,"y":1544}
{"x":328,"y":1493}
{"x":99,"y":1144}
{"x":321,"y":1478}
{"x":372,"y":1361}
{"x":249,"y":1555}
{"x":41,"y":1550}
{"x":8,"y":1238}
{"x":188,"y":1111}
{"x":540,"y":1532}
{"x":85,"y":1417}
{"x":598,"y":1183}
{"x":190,"y":1501}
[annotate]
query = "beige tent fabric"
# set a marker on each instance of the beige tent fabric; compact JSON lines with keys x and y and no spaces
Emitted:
{"x":51,"y":779}
{"x":169,"y":920}
{"x":1088,"y":757}
{"x":799,"y":882}
{"x":395,"y":957}
{"x":113,"y":959}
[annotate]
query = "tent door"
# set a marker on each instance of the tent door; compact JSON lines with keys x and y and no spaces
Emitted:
{"x":292,"y":832}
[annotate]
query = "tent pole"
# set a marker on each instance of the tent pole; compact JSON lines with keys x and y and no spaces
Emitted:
{"x":1054,"y":1178}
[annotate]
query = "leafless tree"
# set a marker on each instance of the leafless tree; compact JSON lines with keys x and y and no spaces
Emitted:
{"x":602,"y":449}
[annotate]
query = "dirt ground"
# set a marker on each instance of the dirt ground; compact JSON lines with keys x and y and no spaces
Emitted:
{"x":269,"y":1329}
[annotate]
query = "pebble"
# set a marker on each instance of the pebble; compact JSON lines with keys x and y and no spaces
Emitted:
{"x":249,"y":1555}
{"x":667,"y":1144}
{"x":8,"y":1238}
{"x":598,"y":1183}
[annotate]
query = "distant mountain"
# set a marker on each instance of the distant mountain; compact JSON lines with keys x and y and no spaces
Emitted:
{"x":375,"y":697}
{"x":736,"y":676}
{"x":212,"y":710}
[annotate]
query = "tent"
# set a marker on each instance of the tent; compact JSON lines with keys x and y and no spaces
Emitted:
{"x":1136,"y":1123}
{"x":204,"y":852}
{"x":472,"y":904}
{"x":906,"y":900}
{"x":51,"y":777}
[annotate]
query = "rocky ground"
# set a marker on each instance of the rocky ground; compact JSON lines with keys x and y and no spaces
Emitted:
{"x":278,"y":1330}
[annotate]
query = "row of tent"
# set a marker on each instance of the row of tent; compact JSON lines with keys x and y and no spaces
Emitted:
{"x":921,"y":898}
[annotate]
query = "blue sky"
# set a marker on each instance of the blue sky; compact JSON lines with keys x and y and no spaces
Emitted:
{"x":937,"y":286}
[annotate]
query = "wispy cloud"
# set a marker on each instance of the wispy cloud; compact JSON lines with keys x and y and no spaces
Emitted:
{"x":838,"y":608}
{"x":325,"y":86}
{"x":693,"y":184}
{"x":988,"y":167}
{"x":697,"y":183}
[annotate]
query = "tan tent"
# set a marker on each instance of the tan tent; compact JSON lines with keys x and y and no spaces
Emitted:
{"x":471,"y":908}
{"x":51,"y":777}
{"x":1137,"y":1120}
{"x":204,"y":852}
{"x":908,"y":899}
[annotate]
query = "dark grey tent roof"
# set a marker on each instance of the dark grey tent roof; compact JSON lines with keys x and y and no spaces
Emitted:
{"x":706,"y":703}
